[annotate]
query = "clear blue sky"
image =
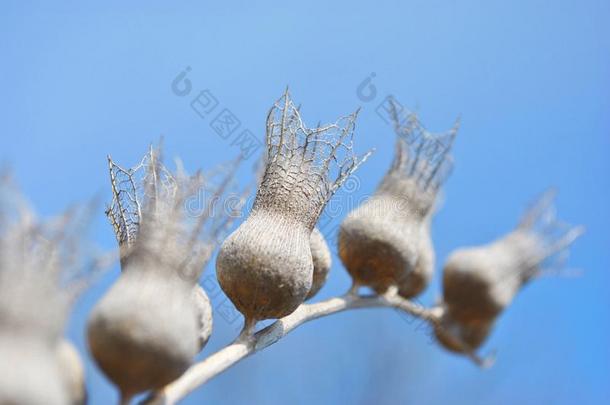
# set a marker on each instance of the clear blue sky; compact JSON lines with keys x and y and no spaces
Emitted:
{"x":530,"y":79}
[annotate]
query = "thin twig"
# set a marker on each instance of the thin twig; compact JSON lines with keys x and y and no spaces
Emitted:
{"x":244,"y":346}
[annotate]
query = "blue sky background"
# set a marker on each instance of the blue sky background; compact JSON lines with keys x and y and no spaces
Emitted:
{"x":530,"y":79}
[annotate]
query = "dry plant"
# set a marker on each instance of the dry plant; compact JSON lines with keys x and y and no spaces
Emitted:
{"x":266,"y":266}
{"x":147,"y":329}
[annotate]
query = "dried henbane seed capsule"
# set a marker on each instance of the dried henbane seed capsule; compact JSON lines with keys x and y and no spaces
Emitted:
{"x":320,"y":252}
{"x":480,"y":282}
{"x":42,"y":269}
{"x":386,"y":241}
{"x":148,"y":327}
{"x":265,"y":267}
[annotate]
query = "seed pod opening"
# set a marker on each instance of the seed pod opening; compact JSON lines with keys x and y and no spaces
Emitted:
{"x":386,"y":240}
{"x":322,"y":261}
{"x":265,"y":267}
{"x":479,"y":282}
{"x":148,"y":327}
{"x":42,"y":269}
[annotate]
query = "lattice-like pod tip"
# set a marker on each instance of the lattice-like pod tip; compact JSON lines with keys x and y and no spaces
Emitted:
{"x":420,"y":154}
{"x":305,"y":166}
{"x":553,"y":237}
{"x":172,"y":217}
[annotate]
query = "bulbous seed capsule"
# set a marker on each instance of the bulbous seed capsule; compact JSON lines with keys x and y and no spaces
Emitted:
{"x":149,"y":326}
{"x":320,"y":252}
{"x":42,"y":267}
{"x":386,"y":241}
{"x":265,"y":267}
{"x":322,"y":261}
{"x":479,"y":282}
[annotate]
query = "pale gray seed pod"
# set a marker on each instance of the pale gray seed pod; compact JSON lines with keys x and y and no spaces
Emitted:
{"x":386,"y":240}
{"x":42,"y":267}
{"x":144,"y":333}
{"x":265,"y":267}
{"x":146,"y":330}
{"x":320,"y":251}
{"x":73,"y":372}
{"x":479,"y":282}
{"x":322,"y":261}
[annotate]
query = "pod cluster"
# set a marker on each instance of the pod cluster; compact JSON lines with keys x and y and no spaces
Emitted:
{"x":266,"y":266}
{"x":42,"y":269}
{"x":151,"y":323}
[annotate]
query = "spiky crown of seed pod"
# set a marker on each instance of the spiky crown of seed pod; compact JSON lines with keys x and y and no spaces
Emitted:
{"x":42,"y":265}
{"x":422,"y":160}
{"x":541,"y":239}
{"x":171,"y":221}
{"x":304,"y":166}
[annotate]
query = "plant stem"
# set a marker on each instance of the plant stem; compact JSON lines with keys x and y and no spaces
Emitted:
{"x":245,"y":345}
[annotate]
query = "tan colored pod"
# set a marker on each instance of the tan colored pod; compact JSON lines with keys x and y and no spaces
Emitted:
{"x":386,"y":240}
{"x":144,"y":333}
{"x":265,"y":267}
{"x":376,"y":248}
{"x":148,"y":327}
{"x":322,"y":261}
{"x":479,"y":282}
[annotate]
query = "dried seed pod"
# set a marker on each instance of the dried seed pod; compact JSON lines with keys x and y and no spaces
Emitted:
{"x":479,"y":282}
{"x":386,"y":240}
{"x":320,"y":254}
{"x":319,"y":248}
{"x":42,"y":267}
{"x":265,"y":267}
{"x":148,"y":327}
